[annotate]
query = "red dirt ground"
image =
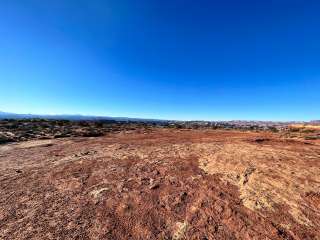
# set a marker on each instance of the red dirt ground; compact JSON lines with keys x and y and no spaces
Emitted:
{"x":161,"y":184}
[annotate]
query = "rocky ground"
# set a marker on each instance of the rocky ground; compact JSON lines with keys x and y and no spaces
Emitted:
{"x":161,"y":184}
{"x":17,"y":130}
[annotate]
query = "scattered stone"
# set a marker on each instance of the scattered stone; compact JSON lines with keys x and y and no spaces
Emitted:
{"x":154,"y":184}
{"x":180,"y":230}
{"x":96,"y":193}
{"x":120,"y":187}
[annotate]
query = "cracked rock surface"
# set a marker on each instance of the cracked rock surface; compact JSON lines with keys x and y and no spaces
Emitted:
{"x":161,"y":184}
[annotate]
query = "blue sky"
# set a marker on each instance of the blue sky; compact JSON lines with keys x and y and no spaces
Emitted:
{"x":210,"y":60}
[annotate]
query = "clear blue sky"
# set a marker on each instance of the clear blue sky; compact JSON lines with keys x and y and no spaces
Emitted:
{"x":211,"y":60}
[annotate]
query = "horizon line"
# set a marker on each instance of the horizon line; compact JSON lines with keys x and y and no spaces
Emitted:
{"x":148,"y":118}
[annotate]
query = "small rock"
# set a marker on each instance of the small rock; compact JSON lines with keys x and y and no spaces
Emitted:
{"x":120,"y":187}
{"x":156,"y":172}
{"x":154,"y":184}
{"x":183,"y":196}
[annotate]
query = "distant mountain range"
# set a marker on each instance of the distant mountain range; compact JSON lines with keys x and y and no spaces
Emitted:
{"x":77,"y":117}
{"x":6,"y":115}
{"x":315,"y":122}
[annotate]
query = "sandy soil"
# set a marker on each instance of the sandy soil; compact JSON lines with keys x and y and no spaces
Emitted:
{"x":161,"y":184}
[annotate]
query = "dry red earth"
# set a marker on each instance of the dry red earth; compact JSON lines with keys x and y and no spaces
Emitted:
{"x":161,"y":184}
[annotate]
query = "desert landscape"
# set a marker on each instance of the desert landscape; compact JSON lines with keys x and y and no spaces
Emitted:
{"x":159,"y":120}
{"x":116,"y":180}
